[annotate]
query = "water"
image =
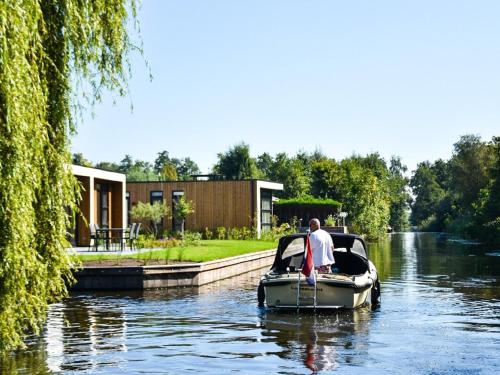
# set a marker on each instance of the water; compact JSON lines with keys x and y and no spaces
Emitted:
{"x":440,"y":314}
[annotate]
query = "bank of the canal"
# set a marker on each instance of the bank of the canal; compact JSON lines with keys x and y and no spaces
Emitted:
{"x":170,"y":275}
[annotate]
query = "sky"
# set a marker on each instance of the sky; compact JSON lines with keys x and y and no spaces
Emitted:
{"x":345,"y":77}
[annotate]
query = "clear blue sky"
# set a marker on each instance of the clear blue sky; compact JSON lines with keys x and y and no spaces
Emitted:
{"x":398,"y":77}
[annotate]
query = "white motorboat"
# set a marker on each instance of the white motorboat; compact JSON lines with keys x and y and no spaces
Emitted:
{"x":352,"y":283}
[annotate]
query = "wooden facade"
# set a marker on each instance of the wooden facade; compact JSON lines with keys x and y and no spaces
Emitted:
{"x":217,"y":203}
{"x":102,"y":203}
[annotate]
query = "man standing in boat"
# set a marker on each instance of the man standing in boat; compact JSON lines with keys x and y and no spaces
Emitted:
{"x":322,"y":247}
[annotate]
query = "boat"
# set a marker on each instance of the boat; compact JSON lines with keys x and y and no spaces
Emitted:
{"x":352,"y":283}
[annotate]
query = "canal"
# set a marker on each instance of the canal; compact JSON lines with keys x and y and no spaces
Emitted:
{"x":440,"y":314}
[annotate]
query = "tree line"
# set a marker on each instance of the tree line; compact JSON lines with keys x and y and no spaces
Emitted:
{"x":460,"y":195}
{"x":164,"y":168}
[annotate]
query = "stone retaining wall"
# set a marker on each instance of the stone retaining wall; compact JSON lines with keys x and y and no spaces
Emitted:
{"x":170,"y":276}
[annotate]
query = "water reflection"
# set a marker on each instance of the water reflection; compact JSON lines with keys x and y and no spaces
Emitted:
{"x":319,"y":341}
{"x":439,"y":300}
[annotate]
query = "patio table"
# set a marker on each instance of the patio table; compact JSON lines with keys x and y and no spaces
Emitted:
{"x":112,"y":234}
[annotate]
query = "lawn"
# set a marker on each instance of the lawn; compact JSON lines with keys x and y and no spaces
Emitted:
{"x":206,"y":251}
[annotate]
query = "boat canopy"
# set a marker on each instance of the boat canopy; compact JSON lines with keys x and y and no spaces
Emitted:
{"x":291,"y":249}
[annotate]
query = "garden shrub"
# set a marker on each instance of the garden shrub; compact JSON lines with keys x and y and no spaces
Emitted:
{"x":191,"y":238}
{"x":207,"y":234}
{"x":221,"y":233}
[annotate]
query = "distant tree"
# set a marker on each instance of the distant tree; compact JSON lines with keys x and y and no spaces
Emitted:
{"x":142,"y":171}
{"x":375,"y":163}
{"x":160,"y":161}
{"x":169,"y":172}
{"x":470,"y":169}
{"x":291,"y":173}
{"x":454,"y":195}
{"x":265,"y":164}
{"x":399,"y":196}
{"x":186,"y":168}
{"x":492,"y":204}
{"x":428,"y":197}
{"x":487,"y":206}
{"x":108,"y":166}
{"x":325,"y":178}
{"x":126,"y":164}
{"x":236,"y":163}
{"x":79,"y":159}
{"x":364,"y":196}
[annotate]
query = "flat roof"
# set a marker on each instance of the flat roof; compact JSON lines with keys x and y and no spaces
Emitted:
{"x":260,"y":183}
{"x":78,"y":170}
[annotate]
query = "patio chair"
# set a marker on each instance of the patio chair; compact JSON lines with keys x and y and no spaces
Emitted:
{"x":127,"y":235}
{"x":133,"y":235}
{"x":94,"y":237}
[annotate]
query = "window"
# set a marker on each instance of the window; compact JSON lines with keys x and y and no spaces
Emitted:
{"x":266,"y":212}
{"x":176,"y":224}
{"x":102,"y":205}
{"x":156,"y":196}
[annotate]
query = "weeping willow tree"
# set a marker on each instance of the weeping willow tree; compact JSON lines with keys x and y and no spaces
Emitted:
{"x":47,"y":47}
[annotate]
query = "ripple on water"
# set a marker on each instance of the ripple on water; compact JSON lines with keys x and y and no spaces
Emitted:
{"x":440,"y":314}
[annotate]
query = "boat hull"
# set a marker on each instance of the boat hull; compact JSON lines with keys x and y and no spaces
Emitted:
{"x":332,"y":292}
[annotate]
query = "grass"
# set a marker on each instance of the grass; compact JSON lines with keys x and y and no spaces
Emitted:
{"x":208,"y":250}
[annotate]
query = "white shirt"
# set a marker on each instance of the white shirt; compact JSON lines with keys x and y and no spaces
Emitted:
{"x":322,"y":248}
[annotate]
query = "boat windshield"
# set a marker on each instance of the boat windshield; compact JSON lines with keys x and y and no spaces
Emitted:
{"x":295,"y":247}
{"x":358,"y":248}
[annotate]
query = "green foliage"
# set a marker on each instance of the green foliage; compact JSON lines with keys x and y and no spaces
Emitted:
{"x":184,"y":168}
{"x":309,"y":200}
{"x":277,"y":231}
{"x":164,"y":167}
{"x":207,"y":234}
{"x":149,"y":241}
{"x":108,"y":166}
{"x":45,"y":45}
{"x":428,"y":194}
{"x":236,"y":163}
{"x":150,"y":215}
{"x":487,"y":206}
{"x":183,"y":208}
{"x":221,"y":233}
{"x":460,"y":195}
{"x":365,"y":195}
{"x":293,"y":173}
{"x":469,"y":169}
{"x":79,"y":159}
{"x":169,"y":172}
{"x":400,"y":197}
{"x":330,"y":221}
{"x":190,"y":238}
{"x":325,"y":176}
